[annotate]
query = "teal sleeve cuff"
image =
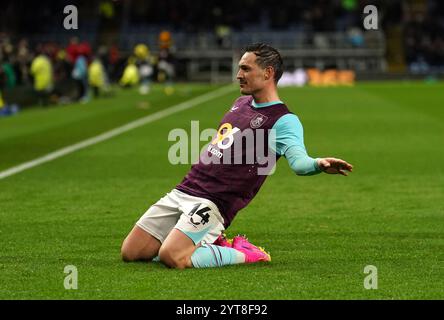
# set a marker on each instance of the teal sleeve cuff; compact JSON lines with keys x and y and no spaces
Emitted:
{"x":300,"y":162}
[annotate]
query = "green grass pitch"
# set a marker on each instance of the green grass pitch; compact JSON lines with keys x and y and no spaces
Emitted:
{"x":321,"y":230}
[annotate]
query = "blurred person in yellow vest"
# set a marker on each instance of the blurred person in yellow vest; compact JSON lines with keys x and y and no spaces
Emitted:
{"x":41,"y":70}
{"x":130,"y":75}
{"x":144,"y":66}
{"x":97,"y":77}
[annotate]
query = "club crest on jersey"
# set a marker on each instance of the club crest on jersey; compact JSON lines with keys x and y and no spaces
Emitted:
{"x":257,"y":121}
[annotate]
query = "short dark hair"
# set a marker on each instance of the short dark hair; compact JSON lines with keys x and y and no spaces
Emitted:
{"x":267,"y":56}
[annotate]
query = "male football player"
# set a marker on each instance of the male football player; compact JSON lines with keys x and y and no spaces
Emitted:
{"x":184,"y":228}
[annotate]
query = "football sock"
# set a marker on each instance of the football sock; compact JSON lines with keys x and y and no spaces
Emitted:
{"x":210,"y":255}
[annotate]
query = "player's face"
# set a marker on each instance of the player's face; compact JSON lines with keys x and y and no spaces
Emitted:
{"x":251,"y":76}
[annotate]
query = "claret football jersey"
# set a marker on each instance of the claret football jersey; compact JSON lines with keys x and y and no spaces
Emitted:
{"x":237,"y":161}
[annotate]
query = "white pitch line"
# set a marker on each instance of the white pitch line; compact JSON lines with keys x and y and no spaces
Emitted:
{"x":117,"y":131}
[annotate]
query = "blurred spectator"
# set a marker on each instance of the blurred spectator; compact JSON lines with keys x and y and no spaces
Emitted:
{"x":355,"y":37}
{"x":130,"y":75}
{"x":41,"y":70}
{"x":223,"y":36}
{"x":62,"y":68}
{"x":97,"y":78}
{"x":113,"y":62}
{"x":8,"y":70}
{"x":84,"y":49}
{"x":2,"y":103}
{"x":165,"y":40}
{"x":80,"y":74}
{"x":2,"y":85}
{"x":143,"y":62}
{"x":81,"y":53}
{"x":165,"y":64}
{"x":72,"y":49}
{"x":24,"y":58}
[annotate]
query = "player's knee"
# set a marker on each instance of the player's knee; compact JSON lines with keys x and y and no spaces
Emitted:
{"x":128,"y":254}
{"x":172,"y":259}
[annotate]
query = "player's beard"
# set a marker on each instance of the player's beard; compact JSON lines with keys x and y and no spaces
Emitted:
{"x":244,"y":92}
{"x":244,"y":89}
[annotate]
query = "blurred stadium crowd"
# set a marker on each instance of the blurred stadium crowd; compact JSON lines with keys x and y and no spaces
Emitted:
{"x":35,"y":52}
{"x":62,"y":74}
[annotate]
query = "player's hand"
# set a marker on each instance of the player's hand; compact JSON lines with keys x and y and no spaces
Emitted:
{"x":334,"y":166}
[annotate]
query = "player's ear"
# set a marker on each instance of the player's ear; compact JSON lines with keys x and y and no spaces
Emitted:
{"x":268,"y":73}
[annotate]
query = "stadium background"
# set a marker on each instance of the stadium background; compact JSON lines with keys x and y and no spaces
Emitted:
{"x":373,"y":97}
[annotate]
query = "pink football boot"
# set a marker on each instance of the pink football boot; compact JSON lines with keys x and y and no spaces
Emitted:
{"x":252,"y":253}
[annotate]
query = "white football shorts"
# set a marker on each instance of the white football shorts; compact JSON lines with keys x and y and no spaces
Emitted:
{"x":197,"y":217}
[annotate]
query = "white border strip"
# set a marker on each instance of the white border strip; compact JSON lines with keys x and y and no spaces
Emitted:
{"x":117,"y":131}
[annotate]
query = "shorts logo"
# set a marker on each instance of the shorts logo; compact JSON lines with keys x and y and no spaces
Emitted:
{"x":257,"y":121}
{"x":203,"y":217}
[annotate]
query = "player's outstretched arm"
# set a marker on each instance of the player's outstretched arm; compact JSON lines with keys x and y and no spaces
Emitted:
{"x":334,"y":166}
